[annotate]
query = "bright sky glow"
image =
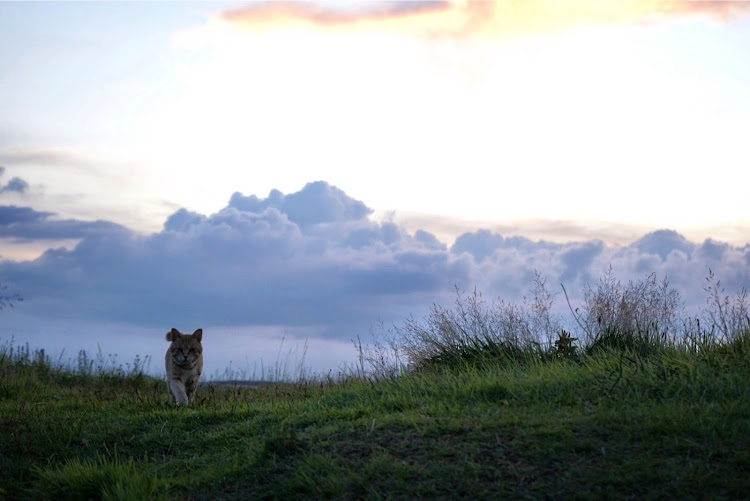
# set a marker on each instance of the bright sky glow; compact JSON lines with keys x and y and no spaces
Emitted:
{"x":626,"y":113}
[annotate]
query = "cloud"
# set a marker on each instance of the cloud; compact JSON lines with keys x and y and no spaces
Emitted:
{"x":663,"y":242}
{"x":25,"y":223}
{"x":183,"y":220}
{"x":505,"y":266}
{"x":317,"y":202}
{"x":711,"y":250}
{"x":270,"y":12}
{"x":12,"y":215}
{"x":51,"y":157}
{"x":307,"y":258}
{"x":480,"y":244}
{"x":429,"y":240}
{"x":41,"y":156}
{"x":476,"y":19}
{"x":578,"y":259}
{"x":725,"y":11}
{"x":17,"y":185}
{"x":314,"y":260}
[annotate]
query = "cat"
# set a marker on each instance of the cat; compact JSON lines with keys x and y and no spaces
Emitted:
{"x":184,"y":364}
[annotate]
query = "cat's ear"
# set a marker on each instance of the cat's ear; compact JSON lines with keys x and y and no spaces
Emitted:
{"x":198,"y":334}
{"x":173,"y":334}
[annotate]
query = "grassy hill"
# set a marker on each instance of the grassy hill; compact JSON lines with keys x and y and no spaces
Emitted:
{"x":624,"y":414}
{"x":675,"y":425}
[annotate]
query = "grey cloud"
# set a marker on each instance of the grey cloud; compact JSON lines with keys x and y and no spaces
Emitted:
{"x":712,"y":250}
{"x":480,"y":244}
{"x":314,"y":258}
{"x":27,"y":223}
{"x":662,"y":242}
{"x":16,"y":184}
{"x":317,"y":202}
{"x":429,"y":240}
{"x":12,"y":215}
{"x":248,"y":263}
{"x":686,"y":267}
{"x":505,"y":267}
{"x":182,"y":220}
{"x":320,"y":202}
{"x":578,"y":259}
{"x":386,"y":234}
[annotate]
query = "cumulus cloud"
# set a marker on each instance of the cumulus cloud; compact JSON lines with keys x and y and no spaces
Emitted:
{"x":508,"y":266}
{"x":577,"y":260}
{"x":314,"y":259}
{"x":429,"y":240}
{"x":480,"y":244}
{"x":317,"y":202}
{"x":308,"y":258}
{"x":663,"y":242}
{"x":182,"y":220}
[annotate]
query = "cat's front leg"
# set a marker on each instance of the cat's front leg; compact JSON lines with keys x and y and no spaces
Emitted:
{"x":190,"y":386}
{"x":177,"y":389}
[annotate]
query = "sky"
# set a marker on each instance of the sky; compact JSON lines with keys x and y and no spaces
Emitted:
{"x":286,"y":175}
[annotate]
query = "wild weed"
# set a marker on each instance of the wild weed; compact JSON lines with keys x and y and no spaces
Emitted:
{"x":641,"y":316}
{"x":726,"y":317}
{"x":475,"y":330}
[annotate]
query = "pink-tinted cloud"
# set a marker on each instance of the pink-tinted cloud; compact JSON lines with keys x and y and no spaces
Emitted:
{"x":482,"y":19}
{"x":269,"y":12}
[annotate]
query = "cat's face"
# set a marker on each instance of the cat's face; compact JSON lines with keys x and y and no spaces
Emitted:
{"x":185,"y":348}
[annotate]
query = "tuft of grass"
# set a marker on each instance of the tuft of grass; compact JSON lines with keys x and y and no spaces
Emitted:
{"x":100,"y":478}
{"x":641,"y":319}
{"x":475,"y":330}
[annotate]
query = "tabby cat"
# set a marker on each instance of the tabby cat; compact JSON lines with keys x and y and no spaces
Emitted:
{"x":184,"y":363}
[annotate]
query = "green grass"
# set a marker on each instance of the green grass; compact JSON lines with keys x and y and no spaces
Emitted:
{"x":613,"y":423}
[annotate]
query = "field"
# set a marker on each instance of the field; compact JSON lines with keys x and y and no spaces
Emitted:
{"x":623,"y":414}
